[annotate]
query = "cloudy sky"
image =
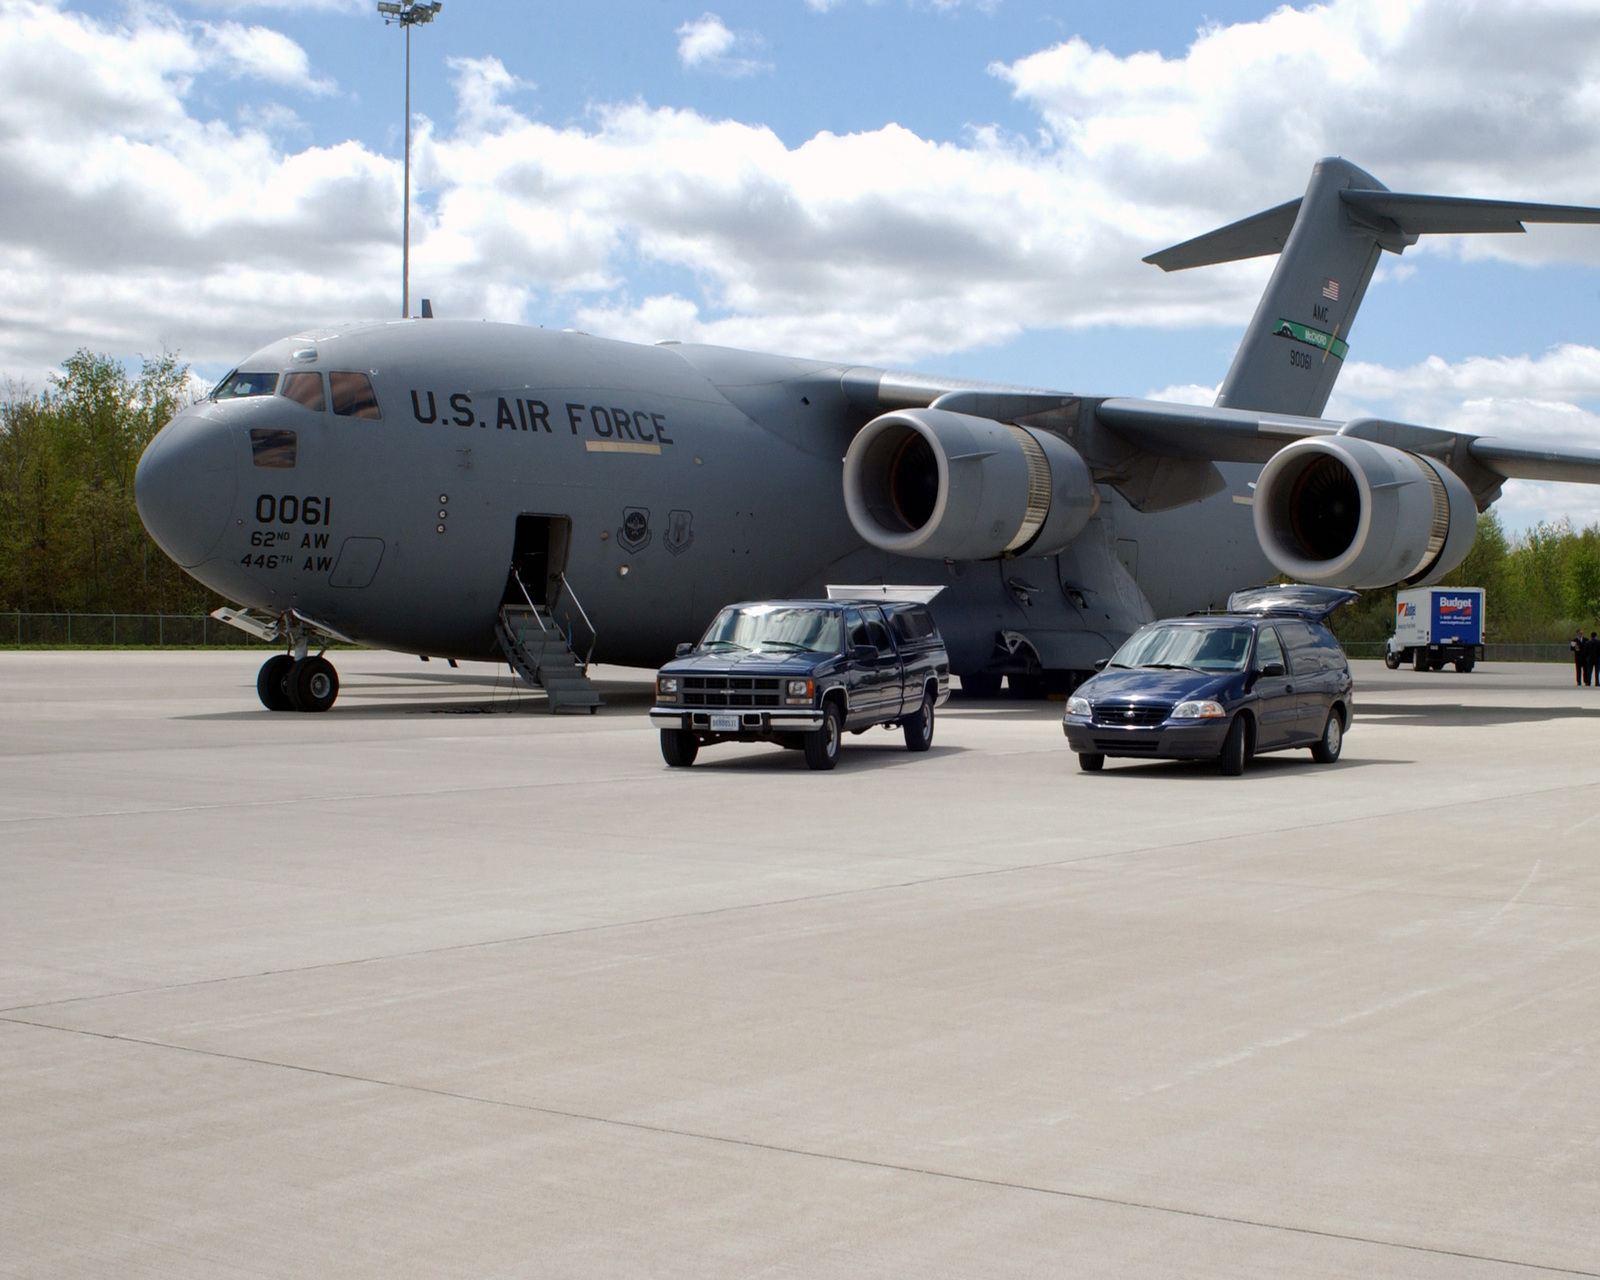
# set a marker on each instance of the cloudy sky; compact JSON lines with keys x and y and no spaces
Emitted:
{"x":938,"y":184}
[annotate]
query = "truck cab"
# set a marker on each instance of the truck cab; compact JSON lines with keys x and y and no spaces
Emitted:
{"x":800,"y":673}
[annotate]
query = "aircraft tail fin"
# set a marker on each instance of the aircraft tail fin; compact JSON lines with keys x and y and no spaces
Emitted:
{"x":1328,"y":244}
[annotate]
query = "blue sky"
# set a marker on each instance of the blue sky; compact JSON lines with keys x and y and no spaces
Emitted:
{"x":957,"y":187}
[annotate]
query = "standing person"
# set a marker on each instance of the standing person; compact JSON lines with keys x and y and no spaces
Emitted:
{"x":1591,"y":659}
{"x":1576,"y":646}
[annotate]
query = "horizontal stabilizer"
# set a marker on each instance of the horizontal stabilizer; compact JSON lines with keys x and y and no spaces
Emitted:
{"x":1452,"y":215}
{"x":1252,"y":237}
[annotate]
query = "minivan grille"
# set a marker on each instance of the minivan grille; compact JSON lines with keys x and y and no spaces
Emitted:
{"x":730,"y":691}
{"x":1130,"y":713}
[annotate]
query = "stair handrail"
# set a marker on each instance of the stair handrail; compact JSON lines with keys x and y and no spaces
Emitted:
{"x":532,"y":608}
{"x":582,"y":613}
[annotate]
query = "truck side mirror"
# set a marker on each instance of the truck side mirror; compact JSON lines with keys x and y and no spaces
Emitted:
{"x":864,"y":653}
{"x":684,"y":649}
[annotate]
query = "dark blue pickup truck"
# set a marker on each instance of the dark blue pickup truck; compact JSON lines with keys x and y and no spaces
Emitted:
{"x":800,"y":673}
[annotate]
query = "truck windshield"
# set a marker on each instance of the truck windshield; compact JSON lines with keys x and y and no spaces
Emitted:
{"x":775,"y":628}
{"x":1199,"y":648}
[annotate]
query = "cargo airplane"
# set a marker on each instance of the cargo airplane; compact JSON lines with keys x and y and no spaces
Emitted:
{"x":503,"y":493}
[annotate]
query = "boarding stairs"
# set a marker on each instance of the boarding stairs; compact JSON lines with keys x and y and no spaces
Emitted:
{"x":543,"y":654}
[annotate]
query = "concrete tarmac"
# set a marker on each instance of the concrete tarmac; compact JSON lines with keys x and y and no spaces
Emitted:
{"x":438,"y":985}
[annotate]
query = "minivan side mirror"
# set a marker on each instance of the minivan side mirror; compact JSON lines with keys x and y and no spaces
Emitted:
{"x":684,"y":649}
{"x":1101,"y":664}
{"x":1273,"y":669}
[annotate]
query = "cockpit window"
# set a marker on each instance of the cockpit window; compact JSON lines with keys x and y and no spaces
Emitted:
{"x":238,"y":384}
{"x":272,"y":448}
{"x":352,"y":395}
{"x":1200,"y":648}
{"x":304,"y":389}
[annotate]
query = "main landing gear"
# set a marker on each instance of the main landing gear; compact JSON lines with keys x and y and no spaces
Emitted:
{"x":287,"y":683}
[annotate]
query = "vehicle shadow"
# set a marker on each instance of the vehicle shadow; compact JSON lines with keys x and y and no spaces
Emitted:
{"x":1270,"y":766}
{"x":858,"y":758}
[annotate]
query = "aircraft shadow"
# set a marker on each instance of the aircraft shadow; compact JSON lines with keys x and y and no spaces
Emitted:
{"x":1465,"y":716}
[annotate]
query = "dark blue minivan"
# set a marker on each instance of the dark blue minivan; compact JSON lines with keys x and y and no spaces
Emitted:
{"x":1267,"y":675}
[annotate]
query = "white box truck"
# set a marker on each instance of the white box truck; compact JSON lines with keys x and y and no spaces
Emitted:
{"x":1436,"y":625}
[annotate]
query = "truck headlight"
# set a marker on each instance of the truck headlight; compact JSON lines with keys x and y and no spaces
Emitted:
{"x":1077,"y":706}
{"x":1204,"y":710}
{"x":797,"y":692}
{"x":667,"y":688}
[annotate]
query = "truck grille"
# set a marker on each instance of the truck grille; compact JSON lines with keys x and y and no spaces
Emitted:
{"x":1130,"y":713}
{"x":730,"y":691}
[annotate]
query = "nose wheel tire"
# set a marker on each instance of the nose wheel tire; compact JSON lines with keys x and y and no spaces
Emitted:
{"x":312,"y":684}
{"x":919,"y":728}
{"x":679,"y":747}
{"x":270,"y":683}
{"x":822,"y":745}
{"x":1332,"y":741}
{"x":1235,"y":749}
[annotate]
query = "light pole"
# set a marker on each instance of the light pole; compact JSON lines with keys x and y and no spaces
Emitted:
{"x":408,"y":15}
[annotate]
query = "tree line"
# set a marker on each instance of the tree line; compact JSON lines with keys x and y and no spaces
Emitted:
{"x":71,"y":540}
{"x":70,"y":536}
{"x":1540,"y":586}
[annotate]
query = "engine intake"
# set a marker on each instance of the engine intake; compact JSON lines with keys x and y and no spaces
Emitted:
{"x":1341,"y":511}
{"x":950,"y":486}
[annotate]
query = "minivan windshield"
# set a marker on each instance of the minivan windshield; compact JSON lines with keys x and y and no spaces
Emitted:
{"x":1197,"y":648}
{"x":773,"y":629}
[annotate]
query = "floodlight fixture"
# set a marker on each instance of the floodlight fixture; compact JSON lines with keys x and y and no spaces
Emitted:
{"x":407,"y":15}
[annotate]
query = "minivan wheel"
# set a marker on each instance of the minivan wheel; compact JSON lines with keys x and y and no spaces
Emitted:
{"x":1234,"y":749}
{"x":1091,"y":761}
{"x":1327,"y":748}
{"x":822,"y":745}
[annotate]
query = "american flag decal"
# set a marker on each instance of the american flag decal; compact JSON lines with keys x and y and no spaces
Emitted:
{"x":1330,"y":290}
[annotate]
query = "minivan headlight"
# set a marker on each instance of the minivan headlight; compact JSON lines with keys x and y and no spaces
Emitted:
{"x":1077,"y":706}
{"x":1201,"y":710}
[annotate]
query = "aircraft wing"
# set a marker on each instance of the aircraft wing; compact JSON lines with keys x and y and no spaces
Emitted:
{"x":1240,"y":435}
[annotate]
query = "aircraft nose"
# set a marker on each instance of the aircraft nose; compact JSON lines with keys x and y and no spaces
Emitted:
{"x":186,"y":484}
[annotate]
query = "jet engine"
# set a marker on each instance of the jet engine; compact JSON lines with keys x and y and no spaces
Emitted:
{"x":950,"y":486}
{"x":1341,"y":511}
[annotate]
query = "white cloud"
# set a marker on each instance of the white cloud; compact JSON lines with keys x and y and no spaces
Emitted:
{"x":261,"y":54}
{"x":128,"y":218}
{"x":706,"y":44}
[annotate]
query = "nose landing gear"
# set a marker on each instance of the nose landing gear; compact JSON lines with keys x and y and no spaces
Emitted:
{"x":286,"y":683}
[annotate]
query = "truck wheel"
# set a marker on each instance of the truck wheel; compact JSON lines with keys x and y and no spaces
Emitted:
{"x":1419,"y":659}
{"x":919,"y":728}
{"x":1091,"y":761}
{"x":1234,"y":749}
{"x":1327,"y":747}
{"x":822,"y":745}
{"x":679,"y":747}
{"x":1464,"y":665}
{"x":1391,"y":660}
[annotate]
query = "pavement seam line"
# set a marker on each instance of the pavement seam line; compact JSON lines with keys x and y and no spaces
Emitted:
{"x":751,"y":1144}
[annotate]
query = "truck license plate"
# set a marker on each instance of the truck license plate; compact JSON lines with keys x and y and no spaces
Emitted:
{"x":724,"y":724}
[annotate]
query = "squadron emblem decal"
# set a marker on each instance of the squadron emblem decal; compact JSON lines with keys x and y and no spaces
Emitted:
{"x":680,"y":532}
{"x":634,"y":535}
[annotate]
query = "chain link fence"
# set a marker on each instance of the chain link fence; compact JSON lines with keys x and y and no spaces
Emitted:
{"x":120,"y":630}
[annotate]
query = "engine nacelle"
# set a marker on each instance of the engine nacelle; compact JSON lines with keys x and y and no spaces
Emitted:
{"x":1341,"y":511}
{"x":951,"y":486}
